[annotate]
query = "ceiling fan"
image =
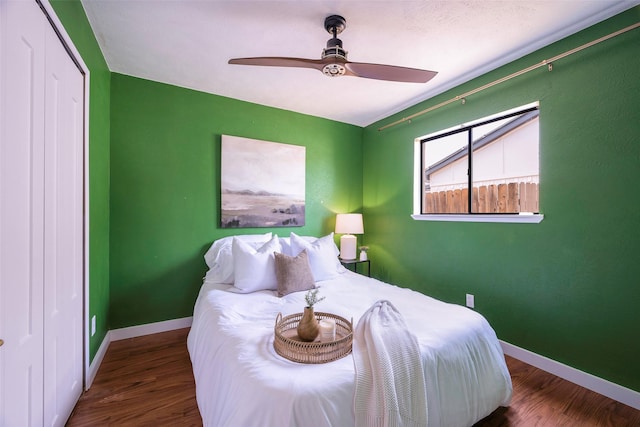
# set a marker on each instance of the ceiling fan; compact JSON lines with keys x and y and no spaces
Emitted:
{"x":334,"y":61}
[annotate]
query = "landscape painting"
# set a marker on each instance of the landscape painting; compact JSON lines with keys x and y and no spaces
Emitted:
{"x":262,"y":183}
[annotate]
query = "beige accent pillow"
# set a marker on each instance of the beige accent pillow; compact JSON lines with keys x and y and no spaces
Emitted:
{"x":293,"y":273}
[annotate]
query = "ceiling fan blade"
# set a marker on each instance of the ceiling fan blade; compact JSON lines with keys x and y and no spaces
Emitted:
{"x":276,"y":61}
{"x":389,"y":72}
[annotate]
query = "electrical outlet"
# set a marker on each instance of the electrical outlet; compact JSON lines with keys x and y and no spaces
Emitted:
{"x":93,"y":325}
{"x":470,"y":301}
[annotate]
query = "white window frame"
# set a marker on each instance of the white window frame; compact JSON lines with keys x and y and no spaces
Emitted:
{"x":522,"y":217}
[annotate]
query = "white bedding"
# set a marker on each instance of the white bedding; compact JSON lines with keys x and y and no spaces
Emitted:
{"x":241,"y":381}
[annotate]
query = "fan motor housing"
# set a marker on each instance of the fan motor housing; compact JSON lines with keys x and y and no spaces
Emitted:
{"x":334,"y":47}
{"x":337,"y":55}
{"x":334,"y":52}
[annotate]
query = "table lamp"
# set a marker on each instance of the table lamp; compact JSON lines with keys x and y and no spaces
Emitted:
{"x":348,"y":225}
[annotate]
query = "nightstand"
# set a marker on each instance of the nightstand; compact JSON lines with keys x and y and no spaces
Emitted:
{"x":355,"y":263}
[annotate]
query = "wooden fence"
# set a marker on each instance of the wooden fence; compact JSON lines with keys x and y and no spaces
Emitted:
{"x":513,"y":197}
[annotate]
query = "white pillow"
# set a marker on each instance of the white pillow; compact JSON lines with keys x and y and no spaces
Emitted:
{"x":255,"y":269}
{"x":285,"y":242}
{"x":219,"y":257}
{"x":225,"y":242}
{"x":323,"y":255}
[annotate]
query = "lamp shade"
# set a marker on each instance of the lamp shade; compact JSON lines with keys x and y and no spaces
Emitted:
{"x":349,"y":224}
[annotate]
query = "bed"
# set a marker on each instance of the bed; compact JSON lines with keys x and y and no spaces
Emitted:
{"x":241,"y":381}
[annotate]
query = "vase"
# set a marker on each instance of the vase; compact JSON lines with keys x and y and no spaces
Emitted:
{"x":308,"y":328}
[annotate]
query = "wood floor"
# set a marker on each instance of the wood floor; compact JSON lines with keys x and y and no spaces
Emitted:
{"x":147,"y":381}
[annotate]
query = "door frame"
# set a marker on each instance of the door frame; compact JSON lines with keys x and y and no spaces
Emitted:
{"x":77,"y":58}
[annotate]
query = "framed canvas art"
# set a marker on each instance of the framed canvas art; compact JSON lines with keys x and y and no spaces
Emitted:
{"x":262,"y":183}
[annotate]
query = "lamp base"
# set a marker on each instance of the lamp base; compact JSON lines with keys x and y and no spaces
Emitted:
{"x":348,"y":247}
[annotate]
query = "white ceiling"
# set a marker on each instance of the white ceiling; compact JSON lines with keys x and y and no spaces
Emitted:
{"x":188,"y":43}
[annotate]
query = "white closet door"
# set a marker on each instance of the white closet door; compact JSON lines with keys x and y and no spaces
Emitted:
{"x":63,"y":191}
{"x":21,"y":214}
{"x":41,"y":119}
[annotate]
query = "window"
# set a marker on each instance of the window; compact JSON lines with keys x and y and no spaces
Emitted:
{"x":487,"y":167}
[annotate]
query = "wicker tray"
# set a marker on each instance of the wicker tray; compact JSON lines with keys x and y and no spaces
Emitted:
{"x":288,"y":345}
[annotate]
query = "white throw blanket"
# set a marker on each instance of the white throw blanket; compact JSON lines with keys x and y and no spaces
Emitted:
{"x":390,"y":385}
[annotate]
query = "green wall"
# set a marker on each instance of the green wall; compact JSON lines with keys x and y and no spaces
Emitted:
{"x":165,"y":186}
{"x":72,"y":16}
{"x":566,"y":288}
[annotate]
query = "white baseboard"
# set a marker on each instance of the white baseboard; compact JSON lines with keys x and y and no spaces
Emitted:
{"x":606,"y":388}
{"x":150,"y":328}
{"x":97,"y":361}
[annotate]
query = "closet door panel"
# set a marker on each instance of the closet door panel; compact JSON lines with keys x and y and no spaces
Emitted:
{"x":21,"y":213}
{"x":63,"y":361}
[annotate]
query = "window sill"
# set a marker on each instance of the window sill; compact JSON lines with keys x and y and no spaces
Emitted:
{"x":512,"y":218}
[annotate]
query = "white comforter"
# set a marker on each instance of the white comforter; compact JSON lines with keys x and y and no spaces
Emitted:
{"x":241,"y":381}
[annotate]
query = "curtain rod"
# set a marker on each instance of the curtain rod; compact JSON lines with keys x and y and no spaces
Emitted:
{"x":546,"y":62}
